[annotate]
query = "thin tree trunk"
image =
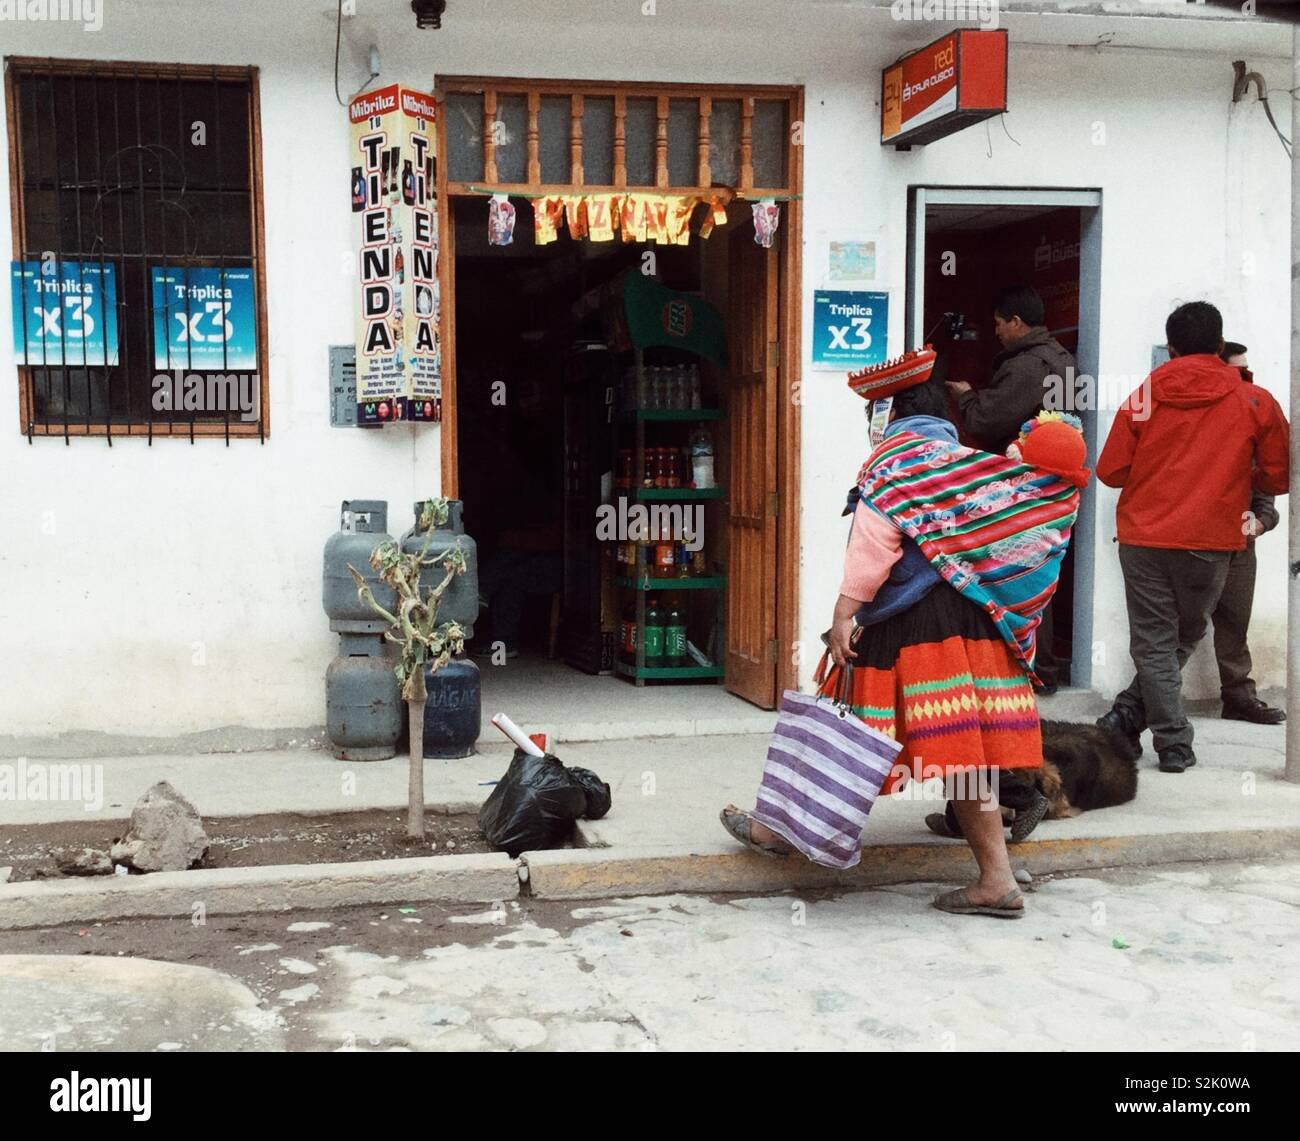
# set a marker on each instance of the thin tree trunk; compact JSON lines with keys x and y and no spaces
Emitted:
{"x":415,"y":787}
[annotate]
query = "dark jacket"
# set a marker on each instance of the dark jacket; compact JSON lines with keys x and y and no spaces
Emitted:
{"x":1188,"y":448}
{"x":993,"y":414}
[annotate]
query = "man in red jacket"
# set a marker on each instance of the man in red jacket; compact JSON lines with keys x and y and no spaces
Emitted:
{"x":1187,"y":453}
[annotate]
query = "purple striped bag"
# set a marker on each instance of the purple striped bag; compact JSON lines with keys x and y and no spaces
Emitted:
{"x":824,"y":769}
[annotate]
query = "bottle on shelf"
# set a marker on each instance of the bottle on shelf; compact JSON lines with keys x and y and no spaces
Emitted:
{"x":627,"y":634}
{"x":696,"y":394}
{"x":675,"y":635}
{"x":665,"y":554}
{"x":654,"y":632}
{"x":701,"y":458}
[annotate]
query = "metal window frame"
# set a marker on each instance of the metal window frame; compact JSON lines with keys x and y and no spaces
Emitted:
{"x":18,"y":67}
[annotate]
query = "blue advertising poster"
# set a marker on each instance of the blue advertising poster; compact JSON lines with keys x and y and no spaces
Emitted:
{"x":850,"y":328}
{"x":203,"y":318}
{"x":64,"y":312}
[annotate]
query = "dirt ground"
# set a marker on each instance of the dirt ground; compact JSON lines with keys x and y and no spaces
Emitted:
{"x":255,"y":841}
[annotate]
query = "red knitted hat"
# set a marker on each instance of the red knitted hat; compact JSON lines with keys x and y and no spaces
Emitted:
{"x":893,"y":376}
{"x":1054,"y":444}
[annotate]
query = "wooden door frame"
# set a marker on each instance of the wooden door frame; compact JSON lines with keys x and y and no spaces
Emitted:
{"x":790,"y":321}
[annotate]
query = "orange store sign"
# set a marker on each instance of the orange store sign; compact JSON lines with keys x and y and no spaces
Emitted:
{"x":945,"y":86}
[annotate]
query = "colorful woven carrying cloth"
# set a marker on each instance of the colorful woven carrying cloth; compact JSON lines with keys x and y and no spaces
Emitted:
{"x":996,"y":530}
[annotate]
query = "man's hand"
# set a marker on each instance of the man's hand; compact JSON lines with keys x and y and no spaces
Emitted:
{"x":957,"y":387}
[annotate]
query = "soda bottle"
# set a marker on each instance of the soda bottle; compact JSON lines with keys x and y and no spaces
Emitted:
{"x":627,"y":634}
{"x":654,"y":633}
{"x":674,"y":635}
{"x":665,"y":554}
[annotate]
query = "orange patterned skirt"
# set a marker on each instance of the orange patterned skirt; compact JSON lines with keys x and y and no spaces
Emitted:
{"x":939,"y":679}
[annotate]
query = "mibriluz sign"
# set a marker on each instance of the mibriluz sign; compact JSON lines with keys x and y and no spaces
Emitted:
{"x":393,"y":175}
{"x":850,"y":328}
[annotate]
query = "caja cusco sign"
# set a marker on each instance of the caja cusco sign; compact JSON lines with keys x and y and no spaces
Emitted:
{"x":958,"y":80}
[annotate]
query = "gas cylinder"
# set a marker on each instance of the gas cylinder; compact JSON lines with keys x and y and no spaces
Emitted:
{"x":363,"y":525}
{"x":453,"y":712}
{"x":363,"y":700}
{"x":460,"y":603}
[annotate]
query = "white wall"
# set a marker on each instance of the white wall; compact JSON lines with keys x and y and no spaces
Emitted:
{"x":157,"y":548}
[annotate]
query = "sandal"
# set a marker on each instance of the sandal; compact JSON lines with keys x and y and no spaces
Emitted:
{"x":959,"y":903}
{"x":739,"y":826}
{"x":1027,"y":819}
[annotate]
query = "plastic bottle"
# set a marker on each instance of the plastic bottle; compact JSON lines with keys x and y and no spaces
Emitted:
{"x":696,"y":394}
{"x":627,"y":634}
{"x":654,"y":633}
{"x":701,"y":458}
{"x":674,"y":635}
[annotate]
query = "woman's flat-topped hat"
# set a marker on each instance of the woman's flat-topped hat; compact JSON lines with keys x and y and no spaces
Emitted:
{"x":895,"y":375}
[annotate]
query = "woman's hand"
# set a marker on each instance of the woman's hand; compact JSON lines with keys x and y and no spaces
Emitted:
{"x":842,"y":628}
{"x":842,"y":639}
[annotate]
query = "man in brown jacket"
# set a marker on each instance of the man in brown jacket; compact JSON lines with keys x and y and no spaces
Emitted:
{"x":1030,"y":355}
{"x":992,"y":416}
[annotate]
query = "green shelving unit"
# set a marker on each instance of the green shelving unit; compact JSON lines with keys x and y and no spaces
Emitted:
{"x":645,"y":493}
{"x":673,"y":415}
{"x":652,"y":673}
{"x":709,"y":582}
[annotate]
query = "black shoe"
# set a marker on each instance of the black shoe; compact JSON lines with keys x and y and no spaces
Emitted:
{"x":1177,"y":759}
{"x":1047,"y":689}
{"x":1254,"y":710}
{"x":1027,"y":819}
{"x":937,"y":822}
{"x":1119,"y":725}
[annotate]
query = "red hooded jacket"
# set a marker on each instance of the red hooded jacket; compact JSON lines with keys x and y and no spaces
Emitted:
{"x":1187,"y":447}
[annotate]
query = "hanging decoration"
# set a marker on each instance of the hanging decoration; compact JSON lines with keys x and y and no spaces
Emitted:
{"x":663,"y":219}
{"x":767,"y":217}
{"x":501,"y":220}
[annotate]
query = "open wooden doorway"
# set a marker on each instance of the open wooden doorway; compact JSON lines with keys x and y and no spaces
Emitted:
{"x":535,"y":138}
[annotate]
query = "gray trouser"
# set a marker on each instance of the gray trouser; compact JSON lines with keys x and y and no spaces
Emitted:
{"x":1231,"y":620}
{"x":1170,"y":595}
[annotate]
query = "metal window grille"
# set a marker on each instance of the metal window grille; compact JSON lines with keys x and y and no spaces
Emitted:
{"x":137,"y":239}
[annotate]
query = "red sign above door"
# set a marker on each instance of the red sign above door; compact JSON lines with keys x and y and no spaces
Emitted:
{"x":959,"y":79}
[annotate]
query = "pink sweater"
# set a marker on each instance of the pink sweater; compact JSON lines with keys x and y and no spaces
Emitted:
{"x":875,"y":545}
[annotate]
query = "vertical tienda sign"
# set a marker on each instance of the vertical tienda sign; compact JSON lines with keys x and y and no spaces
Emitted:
{"x":394,"y":173}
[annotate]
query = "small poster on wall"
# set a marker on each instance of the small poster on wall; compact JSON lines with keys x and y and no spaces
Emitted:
{"x":64,"y":313}
{"x":204,"y":317}
{"x":850,"y":329}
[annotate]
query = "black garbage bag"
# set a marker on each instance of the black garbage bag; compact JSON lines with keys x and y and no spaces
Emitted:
{"x":533,"y":806}
{"x":599,"y":798}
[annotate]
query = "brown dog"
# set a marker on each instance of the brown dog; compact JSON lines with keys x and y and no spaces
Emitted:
{"x":1084,"y":767}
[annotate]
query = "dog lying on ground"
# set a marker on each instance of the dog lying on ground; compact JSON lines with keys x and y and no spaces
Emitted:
{"x":1084,"y":767}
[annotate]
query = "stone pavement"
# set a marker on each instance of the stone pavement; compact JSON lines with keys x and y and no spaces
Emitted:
{"x":1163,"y":960}
{"x":72,"y":1002}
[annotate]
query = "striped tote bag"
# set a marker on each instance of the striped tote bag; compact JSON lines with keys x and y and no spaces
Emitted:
{"x":824,"y":769}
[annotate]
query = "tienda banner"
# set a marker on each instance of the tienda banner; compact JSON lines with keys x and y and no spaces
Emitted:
{"x":399,"y":306}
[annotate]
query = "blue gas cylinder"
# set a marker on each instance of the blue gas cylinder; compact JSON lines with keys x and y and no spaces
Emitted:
{"x":453,"y":712}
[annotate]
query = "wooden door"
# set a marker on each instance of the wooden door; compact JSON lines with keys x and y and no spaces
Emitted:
{"x":752,"y":388}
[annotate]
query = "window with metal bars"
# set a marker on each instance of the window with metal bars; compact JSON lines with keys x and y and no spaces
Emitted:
{"x":138,"y":283}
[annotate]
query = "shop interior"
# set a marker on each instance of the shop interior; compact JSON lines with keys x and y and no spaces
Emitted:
{"x":971,"y":252}
{"x":560,"y":411}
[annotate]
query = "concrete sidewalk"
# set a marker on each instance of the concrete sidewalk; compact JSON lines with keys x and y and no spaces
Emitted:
{"x":668,"y":790}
